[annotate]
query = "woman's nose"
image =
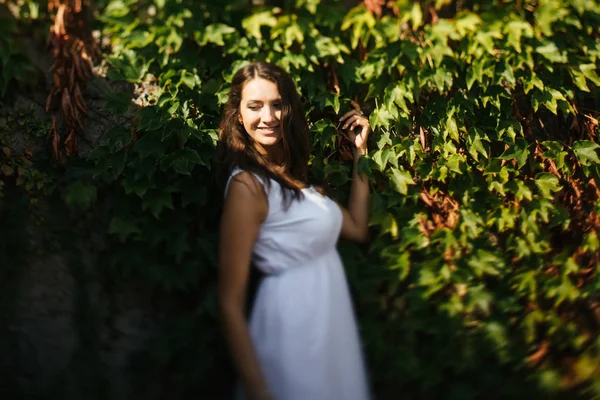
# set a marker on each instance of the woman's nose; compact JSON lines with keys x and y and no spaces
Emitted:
{"x":268,"y":114}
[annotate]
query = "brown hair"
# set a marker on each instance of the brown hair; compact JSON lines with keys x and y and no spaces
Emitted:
{"x":236,"y":148}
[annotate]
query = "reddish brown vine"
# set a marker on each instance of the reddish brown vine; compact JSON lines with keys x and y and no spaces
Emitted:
{"x":72,"y":49}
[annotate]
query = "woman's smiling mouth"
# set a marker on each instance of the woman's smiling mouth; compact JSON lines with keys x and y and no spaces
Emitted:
{"x":269,"y":130}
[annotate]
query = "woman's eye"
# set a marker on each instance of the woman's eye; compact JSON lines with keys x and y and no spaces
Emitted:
{"x":254,"y":108}
{"x":277,"y":105}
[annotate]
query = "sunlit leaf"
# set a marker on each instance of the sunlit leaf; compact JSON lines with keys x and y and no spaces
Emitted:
{"x":360,"y":20}
{"x":552,"y":53}
{"x":585,"y":151}
{"x":401,"y":179}
{"x":547,"y":184}
{"x":253,"y":23}
{"x":589,"y":71}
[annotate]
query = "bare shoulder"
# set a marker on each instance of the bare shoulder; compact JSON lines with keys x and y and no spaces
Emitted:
{"x":246,"y":194}
{"x":245,"y":182}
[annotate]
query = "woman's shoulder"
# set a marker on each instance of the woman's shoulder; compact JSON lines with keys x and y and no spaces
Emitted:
{"x":250,"y":180}
{"x":245,"y":195}
{"x":246,"y":175}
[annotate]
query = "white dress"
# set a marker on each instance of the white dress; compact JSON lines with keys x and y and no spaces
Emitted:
{"x":302,"y":323}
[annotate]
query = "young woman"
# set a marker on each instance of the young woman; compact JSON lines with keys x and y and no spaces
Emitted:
{"x":301,"y":342}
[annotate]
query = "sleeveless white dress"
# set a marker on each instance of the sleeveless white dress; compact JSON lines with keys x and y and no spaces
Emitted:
{"x":302,"y":322}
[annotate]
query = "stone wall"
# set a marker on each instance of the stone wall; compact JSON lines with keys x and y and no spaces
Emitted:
{"x":64,"y":333}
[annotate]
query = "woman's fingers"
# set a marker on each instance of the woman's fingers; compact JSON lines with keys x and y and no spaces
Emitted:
{"x":349,"y":114}
{"x":354,"y":120}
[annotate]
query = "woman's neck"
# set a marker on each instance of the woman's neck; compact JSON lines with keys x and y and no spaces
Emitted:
{"x":274,"y":154}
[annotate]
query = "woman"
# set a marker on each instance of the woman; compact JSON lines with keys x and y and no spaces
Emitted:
{"x":301,"y":342}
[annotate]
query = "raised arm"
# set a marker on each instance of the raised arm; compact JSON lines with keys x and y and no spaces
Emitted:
{"x":355,"y":225}
{"x":244,"y":210}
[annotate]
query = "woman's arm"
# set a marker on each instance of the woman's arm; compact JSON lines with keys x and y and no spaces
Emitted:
{"x":355,"y":225}
{"x":244,"y":210}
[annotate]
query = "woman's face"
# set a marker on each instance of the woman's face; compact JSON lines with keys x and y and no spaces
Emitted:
{"x":260,"y":111}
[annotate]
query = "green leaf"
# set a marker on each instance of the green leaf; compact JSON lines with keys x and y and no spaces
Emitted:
{"x":547,"y":98}
{"x":547,"y":183}
{"x":498,"y":187}
{"x":555,"y":151}
{"x":475,"y":143}
{"x":80,"y":195}
{"x":325,"y":133}
{"x":327,"y":46}
{"x":523,"y":191}
{"x":401,"y":179}
{"x":289,"y":30}
{"x":216,"y":33}
{"x":123,"y":227}
{"x":137,"y":186}
{"x":310,"y":5}
{"x":386,"y":222}
{"x":384,"y":140}
{"x":579,"y":80}
{"x":416,"y":16}
{"x":381,"y":117}
{"x":467,"y":22}
{"x":403,"y":265}
{"x":255,"y":22}
{"x":486,"y":40}
{"x":532,"y":81}
{"x":591,"y":242}
{"x":157,"y":200}
{"x":564,"y":291}
{"x":551,"y":53}
{"x":589,"y":71}
{"x":384,"y":156}
{"x":189,"y":79}
{"x":117,"y":137}
{"x":149,"y":144}
{"x":452,"y":128}
{"x":547,"y":13}
{"x":119,"y":102}
{"x":471,"y":223}
{"x":485,"y":263}
{"x":585,"y":151}
{"x":139,"y":39}
{"x":480,"y":298}
{"x":181,"y":161}
{"x":361,"y":21}
{"x":515,"y":30}
{"x":508,"y":74}
{"x":453,"y":162}
{"x":128,"y":67}
{"x":398,"y":96}
{"x":335,"y":103}
{"x":493,"y":166}
{"x":519,"y":151}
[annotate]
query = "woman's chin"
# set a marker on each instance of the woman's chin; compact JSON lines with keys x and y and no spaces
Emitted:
{"x":268,"y":141}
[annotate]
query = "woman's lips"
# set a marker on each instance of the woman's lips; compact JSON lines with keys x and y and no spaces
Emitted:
{"x":269,"y":131}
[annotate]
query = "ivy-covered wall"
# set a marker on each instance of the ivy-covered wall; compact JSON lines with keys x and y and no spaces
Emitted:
{"x":482,"y":276}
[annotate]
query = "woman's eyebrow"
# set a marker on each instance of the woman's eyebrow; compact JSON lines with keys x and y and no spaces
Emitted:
{"x":260,"y":101}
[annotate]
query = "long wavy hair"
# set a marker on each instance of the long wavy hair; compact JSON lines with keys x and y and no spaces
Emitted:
{"x":237,"y":149}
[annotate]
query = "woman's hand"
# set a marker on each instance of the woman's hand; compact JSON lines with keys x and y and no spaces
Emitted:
{"x":355,"y":119}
